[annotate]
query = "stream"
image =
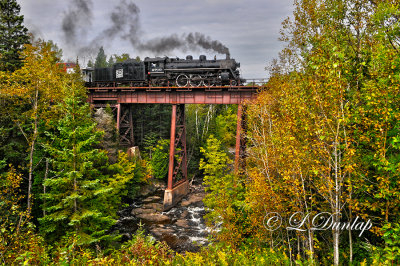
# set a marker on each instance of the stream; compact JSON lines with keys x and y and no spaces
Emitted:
{"x":182,"y":227}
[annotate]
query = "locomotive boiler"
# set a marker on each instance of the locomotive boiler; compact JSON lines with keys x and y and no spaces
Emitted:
{"x":165,"y":71}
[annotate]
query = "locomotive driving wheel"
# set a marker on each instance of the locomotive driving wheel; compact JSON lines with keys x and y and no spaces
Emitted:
{"x":196,"y":80}
{"x":182,"y":80}
{"x":209,"y":82}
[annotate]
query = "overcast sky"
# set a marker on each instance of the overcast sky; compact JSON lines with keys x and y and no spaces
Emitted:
{"x":250,"y":29}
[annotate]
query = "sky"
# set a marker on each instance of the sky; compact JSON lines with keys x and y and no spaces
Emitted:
{"x":248,"y":29}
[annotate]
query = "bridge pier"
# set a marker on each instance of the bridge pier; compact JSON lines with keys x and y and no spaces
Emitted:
{"x":178,"y":185}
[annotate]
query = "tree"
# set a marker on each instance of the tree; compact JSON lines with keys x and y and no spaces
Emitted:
{"x":30,"y":91}
{"x":111,"y":61}
{"x":324,"y":134}
{"x":121,"y":58}
{"x":77,"y":199}
{"x":90,"y":63}
{"x":58,"y":52}
{"x":17,"y":234}
{"x":13,"y":35}
{"x":160,"y":158}
{"x":101,"y":59}
{"x":225,"y":193}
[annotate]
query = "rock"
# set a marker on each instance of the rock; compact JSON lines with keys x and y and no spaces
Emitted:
{"x":134,"y":152}
{"x":159,"y":184}
{"x":182,"y":223}
{"x":152,"y":199}
{"x":146,"y":190}
{"x":137,"y":211}
{"x":154,"y":218}
{"x":154,"y":206}
{"x":194,"y":198}
{"x":158,"y":232}
{"x":126,"y":236}
{"x":184,"y":214}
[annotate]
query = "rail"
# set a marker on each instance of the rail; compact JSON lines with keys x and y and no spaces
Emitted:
{"x":260,"y":82}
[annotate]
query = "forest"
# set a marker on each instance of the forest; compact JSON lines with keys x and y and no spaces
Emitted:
{"x":320,"y":183}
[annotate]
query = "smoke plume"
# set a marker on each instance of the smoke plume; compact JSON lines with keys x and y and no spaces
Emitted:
{"x":191,"y":41}
{"x":76,"y":20}
{"x":125,"y":24}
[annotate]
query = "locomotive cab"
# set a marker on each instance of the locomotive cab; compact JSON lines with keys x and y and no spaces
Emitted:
{"x":155,"y":66}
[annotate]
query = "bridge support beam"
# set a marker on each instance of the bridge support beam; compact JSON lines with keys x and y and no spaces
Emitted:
{"x":125,"y":125}
{"x":240,"y":148}
{"x":178,"y":185}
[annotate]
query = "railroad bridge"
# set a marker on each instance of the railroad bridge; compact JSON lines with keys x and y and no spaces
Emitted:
{"x":121,"y":99}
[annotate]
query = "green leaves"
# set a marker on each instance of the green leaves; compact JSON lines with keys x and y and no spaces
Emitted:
{"x":78,"y":193}
{"x":160,"y":159}
{"x":13,"y":35}
{"x":225,"y":192}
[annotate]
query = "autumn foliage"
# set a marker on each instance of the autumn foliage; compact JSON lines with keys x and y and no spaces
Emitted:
{"x":323,"y":137}
{"x":324,"y":132}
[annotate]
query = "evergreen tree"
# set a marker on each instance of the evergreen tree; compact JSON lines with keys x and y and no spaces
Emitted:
{"x":101,"y":58}
{"x":160,"y":159}
{"x":13,"y":35}
{"x":90,"y":63}
{"x":78,"y":198}
{"x":111,"y":61}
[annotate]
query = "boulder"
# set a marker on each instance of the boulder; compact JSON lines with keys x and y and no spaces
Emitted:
{"x":154,"y":206}
{"x":137,"y":211}
{"x":193,"y":198}
{"x":134,"y":152}
{"x":146,"y":190}
{"x":158,"y":232}
{"x":182,"y":223}
{"x":151,"y":199}
{"x":184,"y":214}
{"x":154,"y":218}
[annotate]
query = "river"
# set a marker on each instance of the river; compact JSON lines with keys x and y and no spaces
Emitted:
{"x":183,"y":227}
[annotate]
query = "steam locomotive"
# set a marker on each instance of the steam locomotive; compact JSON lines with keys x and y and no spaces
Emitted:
{"x":164,"y":71}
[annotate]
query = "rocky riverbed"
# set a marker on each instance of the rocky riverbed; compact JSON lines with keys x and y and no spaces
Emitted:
{"x":182,"y":227}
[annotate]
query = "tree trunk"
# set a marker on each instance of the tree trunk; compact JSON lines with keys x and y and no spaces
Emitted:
{"x":32,"y":149}
{"x":46,"y":173}
{"x":336,"y":233}
{"x":350,"y":236}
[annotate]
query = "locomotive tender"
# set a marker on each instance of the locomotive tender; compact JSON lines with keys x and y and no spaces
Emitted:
{"x":164,"y":71}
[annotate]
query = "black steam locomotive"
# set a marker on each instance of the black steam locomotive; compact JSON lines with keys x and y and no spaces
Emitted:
{"x":166,"y":71}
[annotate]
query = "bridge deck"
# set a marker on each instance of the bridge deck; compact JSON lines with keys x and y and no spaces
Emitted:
{"x":173,"y":95}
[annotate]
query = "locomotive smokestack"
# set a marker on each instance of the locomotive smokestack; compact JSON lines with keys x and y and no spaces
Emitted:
{"x":228,"y":56}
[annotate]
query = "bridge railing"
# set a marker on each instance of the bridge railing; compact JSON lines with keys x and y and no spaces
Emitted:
{"x":256,"y":82}
{"x":233,"y":84}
